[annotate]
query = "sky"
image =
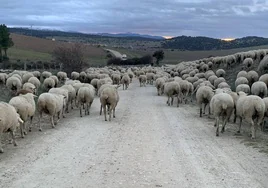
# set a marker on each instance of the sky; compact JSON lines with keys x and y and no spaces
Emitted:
{"x":211,"y":18}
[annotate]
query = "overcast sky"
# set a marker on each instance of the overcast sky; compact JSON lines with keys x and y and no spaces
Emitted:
{"x":212,"y":18}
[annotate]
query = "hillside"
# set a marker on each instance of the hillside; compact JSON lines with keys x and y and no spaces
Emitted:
{"x":206,"y":43}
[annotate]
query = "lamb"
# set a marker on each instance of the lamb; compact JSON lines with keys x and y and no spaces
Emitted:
{"x":125,"y":81}
{"x":29,"y":87}
{"x":75,"y":75}
{"x":243,"y":87}
{"x":25,"y":107}
{"x":85,"y":95}
{"x":48,"y":83}
{"x":220,"y":73}
{"x":241,"y":80}
{"x":109,"y":97}
{"x":159,"y":84}
{"x":142,"y":80}
{"x":3,"y":78}
{"x":247,"y":63}
{"x":35,"y":82}
{"x":250,"y":108}
{"x":9,"y":121}
{"x":172,"y":89}
{"x":63,"y":92}
{"x":13,"y":83}
{"x":259,"y":88}
{"x":204,"y":95}
{"x":221,"y":104}
{"x":51,"y":104}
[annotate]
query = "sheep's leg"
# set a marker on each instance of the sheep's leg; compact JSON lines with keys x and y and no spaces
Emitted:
{"x":110,"y":112}
{"x":223,"y":124}
{"x":39,"y":121}
{"x":114,"y":113}
{"x":52,"y":121}
{"x":100,"y":109}
{"x":240,"y":123}
{"x":12,"y":133}
{"x":72,"y":105}
{"x":104,"y":110}
{"x":80,"y":107}
{"x":24,"y":128}
{"x":178,"y":101}
{"x":21,"y":130}
{"x":31,"y":124}
{"x":1,"y":149}
{"x":201,"y":110}
{"x":217,"y":119}
{"x":253,"y":130}
{"x":172,"y":98}
{"x":205,"y":105}
{"x":234,"y":115}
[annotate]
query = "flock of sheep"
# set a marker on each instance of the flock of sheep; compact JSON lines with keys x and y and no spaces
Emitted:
{"x":201,"y":78}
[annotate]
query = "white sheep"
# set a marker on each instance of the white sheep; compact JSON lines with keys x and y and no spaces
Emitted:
{"x":85,"y":96}
{"x":243,"y":87}
{"x":75,"y":75}
{"x":3,"y":78}
{"x":109,"y":97}
{"x":203,"y":96}
{"x":29,"y":87}
{"x":220,"y":73}
{"x":172,"y":89}
{"x":56,"y":80}
{"x":259,"y":88}
{"x":247,"y":63}
{"x":35,"y":82}
{"x":25,"y":107}
{"x":159,"y":84}
{"x":251,"y":108}
{"x":71,"y":95}
{"x":65,"y":93}
{"x":223,"y":85}
{"x":51,"y":104}
{"x":241,"y":80}
{"x":263,"y":66}
{"x":142,"y":80}
{"x":218,"y":81}
{"x":37,"y":74}
{"x":221,"y":105}
{"x":48,"y":83}
{"x":46,"y":74}
{"x":125,"y":81}
{"x":252,"y":77}
{"x":242,"y":74}
{"x":9,"y":121}
{"x":62,"y":76}
{"x":13,"y":83}
{"x":150,"y":78}
{"x":26,"y":77}
{"x":264,"y":78}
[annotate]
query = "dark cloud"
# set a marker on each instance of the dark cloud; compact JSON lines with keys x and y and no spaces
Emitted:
{"x":213,"y":18}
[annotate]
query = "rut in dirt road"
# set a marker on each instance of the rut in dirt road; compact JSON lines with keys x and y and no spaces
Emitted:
{"x":148,"y":144}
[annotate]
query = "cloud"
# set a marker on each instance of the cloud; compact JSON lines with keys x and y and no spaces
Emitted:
{"x":213,"y":18}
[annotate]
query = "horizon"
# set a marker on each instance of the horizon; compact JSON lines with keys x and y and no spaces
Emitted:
{"x":212,"y":18}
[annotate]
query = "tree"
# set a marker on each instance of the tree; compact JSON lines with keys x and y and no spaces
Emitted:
{"x":5,"y":41}
{"x":71,"y":58}
{"x":159,"y":55}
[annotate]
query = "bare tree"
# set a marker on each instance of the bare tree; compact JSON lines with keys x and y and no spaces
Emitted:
{"x":71,"y":58}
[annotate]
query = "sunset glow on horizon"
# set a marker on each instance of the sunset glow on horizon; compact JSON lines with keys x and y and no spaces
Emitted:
{"x":228,"y":39}
{"x":168,"y":37}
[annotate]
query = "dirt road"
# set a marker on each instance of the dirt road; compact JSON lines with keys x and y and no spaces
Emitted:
{"x":148,"y":144}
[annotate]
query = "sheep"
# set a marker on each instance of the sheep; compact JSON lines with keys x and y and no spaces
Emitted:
{"x":263,"y":66}
{"x":26,"y":77}
{"x":56,"y":80}
{"x":75,"y":75}
{"x":35,"y":82}
{"x":13,"y":83}
{"x":142,"y":80}
{"x":242,"y":74}
{"x":125,"y":81}
{"x":116,"y":78}
{"x":9,"y":121}
{"x":243,"y":87}
{"x":46,"y":74}
{"x":186,"y":88}
{"x":204,"y":95}
{"x":241,"y":80}
{"x":250,"y":108}
{"x":210,"y":64}
{"x":252,"y":77}
{"x":159,"y":84}
{"x":223,"y":85}
{"x":131,"y":75}
{"x":172,"y":89}
{"x":220,"y":73}
{"x":209,"y":73}
{"x":51,"y":104}
{"x":184,"y":76}
{"x":212,"y":79}
{"x":265,"y":100}
{"x":48,"y":83}
{"x":25,"y":107}
{"x":264,"y":78}
{"x":37,"y":74}
{"x":247,"y":63}
{"x":109,"y":97}
{"x":62,"y":76}
{"x":63,"y":92}
{"x":192,"y":79}
{"x":71,"y":95}
{"x":85,"y":95}
{"x":29,"y":87}
{"x":259,"y":88}
{"x":221,"y":104}
{"x":150,"y":78}
{"x":82,"y":76}
{"x":3,"y":78}
{"x":218,"y":81}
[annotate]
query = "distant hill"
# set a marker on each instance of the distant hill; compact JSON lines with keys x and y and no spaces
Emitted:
{"x":206,"y":43}
{"x":131,"y":35}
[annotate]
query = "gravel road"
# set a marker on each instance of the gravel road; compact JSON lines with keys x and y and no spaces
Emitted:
{"x":148,"y":144}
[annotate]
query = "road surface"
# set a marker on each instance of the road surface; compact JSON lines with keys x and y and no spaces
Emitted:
{"x":148,"y":144}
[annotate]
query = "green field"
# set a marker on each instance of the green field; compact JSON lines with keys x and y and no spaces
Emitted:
{"x":27,"y":55}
